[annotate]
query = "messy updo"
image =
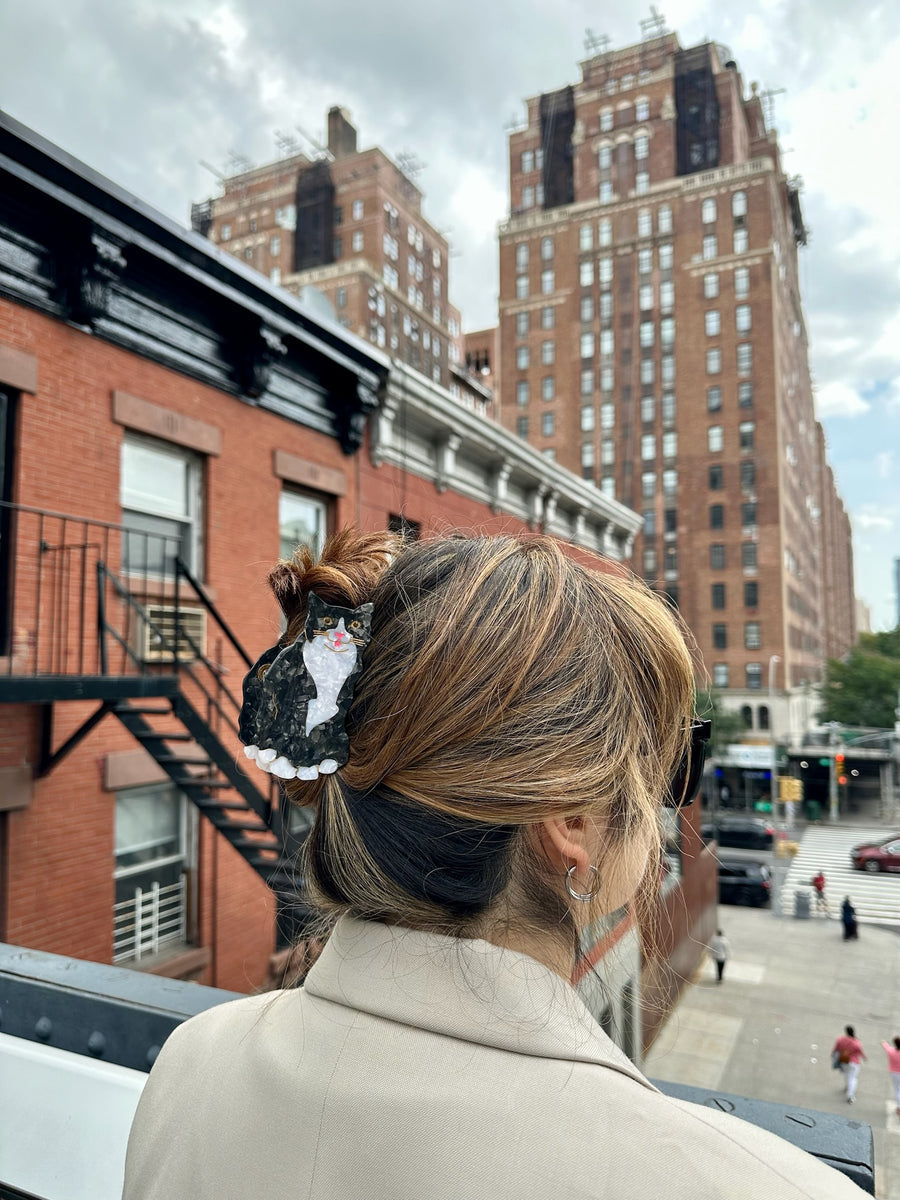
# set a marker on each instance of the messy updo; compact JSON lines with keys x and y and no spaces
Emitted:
{"x":504,"y":684}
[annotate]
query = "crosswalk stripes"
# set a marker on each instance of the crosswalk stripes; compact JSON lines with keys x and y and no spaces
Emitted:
{"x":876,"y":898}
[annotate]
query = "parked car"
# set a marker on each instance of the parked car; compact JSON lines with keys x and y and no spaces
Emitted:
{"x":877,"y":856}
{"x":749,"y":833}
{"x":743,"y":883}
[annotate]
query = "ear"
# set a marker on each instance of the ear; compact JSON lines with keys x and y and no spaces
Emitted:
{"x":564,"y":842}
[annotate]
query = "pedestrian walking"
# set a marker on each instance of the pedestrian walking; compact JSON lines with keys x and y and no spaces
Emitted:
{"x":460,"y":849}
{"x":720,"y":950}
{"x":850,"y":1054}
{"x":893,"y":1056}
{"x":848,"y":920}
{"x":817,"y":883}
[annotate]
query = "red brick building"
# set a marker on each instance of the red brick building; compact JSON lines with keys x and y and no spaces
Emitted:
{"x":171,"y":423}
{"x":348,"y":223}
{"x":652,"y":339}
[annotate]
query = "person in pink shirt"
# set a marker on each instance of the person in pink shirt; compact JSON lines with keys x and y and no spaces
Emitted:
{"x":850,"y":1053}
{"x":893,"y":1055}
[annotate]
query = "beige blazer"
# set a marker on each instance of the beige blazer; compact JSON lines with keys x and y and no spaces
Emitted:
{"x":418,"y":1067}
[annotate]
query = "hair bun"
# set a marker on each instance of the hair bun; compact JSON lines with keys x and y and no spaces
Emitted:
{"x":345,"y":573}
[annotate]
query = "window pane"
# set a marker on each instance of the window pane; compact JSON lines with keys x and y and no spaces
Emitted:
{"x":301,"y":522}
{"x":154,"y":480}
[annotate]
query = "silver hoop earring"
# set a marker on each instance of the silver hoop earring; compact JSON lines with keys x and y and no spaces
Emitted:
{"x":582,"y":896}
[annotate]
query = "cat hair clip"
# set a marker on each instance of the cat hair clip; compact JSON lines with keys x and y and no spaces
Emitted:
{"x":296,"y":697}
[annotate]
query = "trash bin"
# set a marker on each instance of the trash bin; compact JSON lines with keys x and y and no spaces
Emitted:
{"x":813,"y":810}
{"x":801,"y":906}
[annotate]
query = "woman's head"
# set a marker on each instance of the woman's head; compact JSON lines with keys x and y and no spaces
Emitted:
{"x":504,"y":687}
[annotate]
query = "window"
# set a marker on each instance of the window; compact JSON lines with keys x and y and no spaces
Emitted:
{"x":522,"y":427}
{"x":717,"y":556}
{"x":548,"y":281}
{"x":548,"y":424}
{"x":667,"y":331}
{"x":642,"y":110}
{"x":739,"y":204}
{"x":604,"y":232}
{"x":522,"y":393}
{"x":716,"y":478}
{"x":253,"y":225}
{"x":357,"y":210}
{"x":649,"y":516}
{"x":752,"y":638}
{"x":302,"y":521}
{"x":275,"y":245}
{"x":225,"y":234}
{"x":587,"y":418}
{"x":528,"y":197}
{"x":715,"y":439}
{"x":751,"y":594}
{"x":547,"y":248}
{"x":527,"y":161}
{"x":666,"y":295}
{"x":713,"y":361}
{"x":607,"y":415}
{"x":720,"y":636}
{"x":742,"y":318}
{"x":648,"y":409}
{"x":608,"y":452}
{"x":718,"y":595}
{"x":763,"y":712}
{"x":521,"y":256}
{"x":670,"y":562}
{"x":717,"y":516}
{"x":604,"y":158}
{"x":641,"y":183}
{"x":712,"y":323}
{"x":436,"y":259}
{"x":753,"y":674}
{"x":587,"y":454}
{"x":548,"y":387}
{"x":608,"y":486}
{"x":745,"y":395}
{"x":587,"y":382}
{"x":645,"y":296}
{"x":748,"y":556}
{"x":587,"y":345}
{"x":586,"y":274}
{"x":248,"y":254}
{"x":669,"y":481}
{"x":668,"y":408}
{"x":670,"y":444}
{"x":720,"y":675}
{"x":161,"y":497}
{"x":521,"y":287}
{"x":644,"y":222}
{"x":607,"y":342}
{"x":667,"y":368}
{"x":606,"y":306}
{"x":150,"y":858}
{"x":648,"y":371}
{"x":358,"y":240}
{"x":710,"y":285}
{"x":275,"y":275}
{"x":605,"y":270}
{"x":648,"y":485}
{"x":746,"y":431}
{"x":647,"y":333}
{"x":548,"y":317}
{"x":521,"y":324}
{"x":670,"y":520}
{"x":587,"y":308}
{"x":548,"y":352}
{"x":748,"y":513}
{"x":649,"y":560}
{"x":710,"y":246}
{"x":645,"y":260}
{"x":664,"y":219}
{"x":741,"y":241}
{"x":648,"y":447}
{"x":607,"y":379}
{"x":606,"y":119}
{"x":744,"y":358}
{"x":708,"y":211}
{"x":586,"y":237}
{"x":742,"y":282}
{"x":713,"y":399}
{"x":666,"y":256}
{"x":605,"y":193}
{"x":522,"y":357}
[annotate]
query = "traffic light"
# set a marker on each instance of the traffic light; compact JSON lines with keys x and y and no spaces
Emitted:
{"x":839,"y":764}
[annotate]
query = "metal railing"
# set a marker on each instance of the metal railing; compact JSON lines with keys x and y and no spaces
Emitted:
{"x":151,"y":919}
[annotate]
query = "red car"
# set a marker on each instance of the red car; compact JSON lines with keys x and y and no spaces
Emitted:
{"x":877,"y":856}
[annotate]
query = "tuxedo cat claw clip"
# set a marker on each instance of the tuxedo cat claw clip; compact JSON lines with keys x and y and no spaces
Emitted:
{"x":296,"y":697}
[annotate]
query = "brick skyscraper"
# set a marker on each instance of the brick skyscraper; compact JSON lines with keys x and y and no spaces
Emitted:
{"x":349,"y":223}
{"x":652,"y":340}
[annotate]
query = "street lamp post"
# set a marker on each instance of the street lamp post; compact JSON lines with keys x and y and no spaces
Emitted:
{"x":774,"y":660}
{"x":832,"y":772}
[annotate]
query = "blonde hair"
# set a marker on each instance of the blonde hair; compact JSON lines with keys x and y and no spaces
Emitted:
{"x":504,"y":684}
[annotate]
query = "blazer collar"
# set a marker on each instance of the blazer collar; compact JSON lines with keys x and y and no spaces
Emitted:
{"x":470,"y":990}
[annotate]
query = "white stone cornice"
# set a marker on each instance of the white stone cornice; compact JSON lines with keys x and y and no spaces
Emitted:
{"x":421,"y":428}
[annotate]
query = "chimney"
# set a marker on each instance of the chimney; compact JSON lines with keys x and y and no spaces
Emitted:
{"x":341,"y":134}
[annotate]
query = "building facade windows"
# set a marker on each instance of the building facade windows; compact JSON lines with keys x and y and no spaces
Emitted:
{"x":717,"y":556}
{"x":666,"y":295}
{"x":548,"y":352}
{"x":745,"y":358}
{"x":548,"y":424}
{"x":751,"y":593}
{"x":587,"y":418}
{"x":718,"y":595}
{"x":587,"y":345}
{"x":648,"y":447}
{"x":669,"y":481}
{"x":587,"y":309}
{"x":742,"y":318}
{"x":644,"y":222}
{"x":666,"y":256}
{"x":715,"y":439}
{"x":714,"y":361}
{"x":670,"y":444}
{"x":604,"y":158}
{"x":741,"y":241}
{"x":664,"y":219}
{"x":708,"y":211}
{"x":648,"y":485}
{"x":739,"y":204}
{"x":710,"y":246}
{"x":711,"y":323}
{"x":742,"y":282}
{"x":720,"y":636}
{"x":716,"y":478}
{"x":521,"y":287}
{"x":717,"y":516}
{"x":748,"y":513}
{"x":547,"y":249}
{"x":721,"y":675}
{"x":710,"y":285}
{"x":548,"y":317}
{"x":521,"y":324}
{"x":605,"y":192}
{"x":161,"y":492}
{"x":746,"y":435}
{"x":645,"y":260}
{"x":641,"y":147}
{"x":748,"y":556}
{"x":548,"y":387}
{"x":745,"y":395}
{"x":586,"y":237}
{"x":604,"y":232}
{"x":607,"y":415}
{"x":752,"y":636}
{"x":522,"y":427}
{"x":521,"y":256}
{"x":713,"y":399}
{"x":753,"y":676}
{"x":522,"y":396}
{"x":548,"y":281}
{"x":587,"y":381}
{"x":586,"y":273}
{"x":522,"y":357}
{"x":641,"y":183}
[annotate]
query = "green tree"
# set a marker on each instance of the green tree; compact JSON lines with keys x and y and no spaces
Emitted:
{"x":727,"y":725}
{"x":862,"y":689}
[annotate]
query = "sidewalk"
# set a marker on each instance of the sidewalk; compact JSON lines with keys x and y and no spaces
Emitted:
{"x":767,"y":1031}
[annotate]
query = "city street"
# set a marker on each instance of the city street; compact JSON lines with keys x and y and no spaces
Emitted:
{"x":790,"y":987}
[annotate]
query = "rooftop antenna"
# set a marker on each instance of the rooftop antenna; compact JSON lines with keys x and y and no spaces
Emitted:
{"x":238,"y":163}
{"x":213,"y":170}
{"x":410,"y":163}
{"x":653,"y":26}
{"x":316,"y":145}
{"x":595,"y":43}
{"x":768,"y":104}
{"x":287,"y":144}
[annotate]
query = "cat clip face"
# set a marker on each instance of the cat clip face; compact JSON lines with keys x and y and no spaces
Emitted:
{"x":296,"y":698}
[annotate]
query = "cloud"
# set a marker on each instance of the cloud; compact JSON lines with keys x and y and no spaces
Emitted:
{"x":840,"y":400}
{"x":873,"y":521}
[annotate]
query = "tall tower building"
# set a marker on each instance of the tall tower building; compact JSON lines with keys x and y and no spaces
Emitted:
{"x":349,"y":223}
{"x":652,"y":340}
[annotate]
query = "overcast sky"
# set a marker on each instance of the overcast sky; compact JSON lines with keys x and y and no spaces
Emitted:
{"x":144,"y":90}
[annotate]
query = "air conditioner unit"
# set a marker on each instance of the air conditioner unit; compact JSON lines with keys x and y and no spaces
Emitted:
{"x":168,"y":629}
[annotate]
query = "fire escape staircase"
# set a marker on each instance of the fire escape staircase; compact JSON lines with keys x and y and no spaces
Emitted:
{"x":100,"y":634}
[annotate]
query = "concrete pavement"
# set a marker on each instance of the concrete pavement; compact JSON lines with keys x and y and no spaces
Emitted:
{"x":767,"y":1031}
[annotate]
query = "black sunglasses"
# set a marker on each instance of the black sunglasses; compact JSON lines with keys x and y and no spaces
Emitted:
{"x":686,"y":780}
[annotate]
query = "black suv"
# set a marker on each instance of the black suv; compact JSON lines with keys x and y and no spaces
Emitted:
{"x":750,"y":833}
{"x":743,"y":883}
